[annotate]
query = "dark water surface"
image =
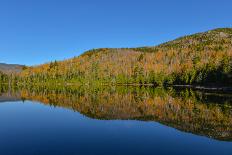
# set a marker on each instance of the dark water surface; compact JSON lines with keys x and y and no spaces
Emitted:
{"x":115,"y":122}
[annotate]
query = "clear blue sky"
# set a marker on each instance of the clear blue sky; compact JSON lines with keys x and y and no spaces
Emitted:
{"x":37,"y":31}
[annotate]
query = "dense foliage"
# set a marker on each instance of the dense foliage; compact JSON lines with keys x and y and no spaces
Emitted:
{"x":203,"y":58}
{"x":3,"y":78}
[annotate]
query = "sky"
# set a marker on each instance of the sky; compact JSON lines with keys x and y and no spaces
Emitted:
{"x":33,"y":32}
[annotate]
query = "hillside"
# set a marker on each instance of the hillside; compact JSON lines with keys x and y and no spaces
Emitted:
{"x":202,"y":58}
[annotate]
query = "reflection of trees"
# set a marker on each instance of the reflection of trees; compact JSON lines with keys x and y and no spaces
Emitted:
{"x":188,"y":111}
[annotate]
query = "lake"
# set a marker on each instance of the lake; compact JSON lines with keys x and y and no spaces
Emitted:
{"x":114,"y":121}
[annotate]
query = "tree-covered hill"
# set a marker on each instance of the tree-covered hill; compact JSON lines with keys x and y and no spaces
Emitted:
{"x":202,"y":58}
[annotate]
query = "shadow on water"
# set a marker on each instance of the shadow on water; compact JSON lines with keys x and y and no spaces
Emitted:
{"x":200,"y":113}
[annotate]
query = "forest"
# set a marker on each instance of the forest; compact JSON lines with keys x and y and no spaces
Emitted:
{"x":198,"y":59}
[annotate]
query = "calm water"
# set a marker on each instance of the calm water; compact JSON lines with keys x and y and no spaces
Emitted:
{"x":108,"y":122}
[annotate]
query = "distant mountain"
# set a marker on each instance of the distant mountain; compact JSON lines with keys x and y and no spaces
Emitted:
{"x":10,"y":68}
{"x":202,"y":58}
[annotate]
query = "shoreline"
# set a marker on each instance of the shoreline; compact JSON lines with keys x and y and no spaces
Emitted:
{"x":194,"y":87}
{"x":205,"y":88}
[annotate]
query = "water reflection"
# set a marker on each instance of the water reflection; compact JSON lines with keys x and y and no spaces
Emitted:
{"x":200,"y":113}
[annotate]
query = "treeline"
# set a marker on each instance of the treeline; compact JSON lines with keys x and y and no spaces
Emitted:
{"x":208,"y":74}
{"x":203,"y":58}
